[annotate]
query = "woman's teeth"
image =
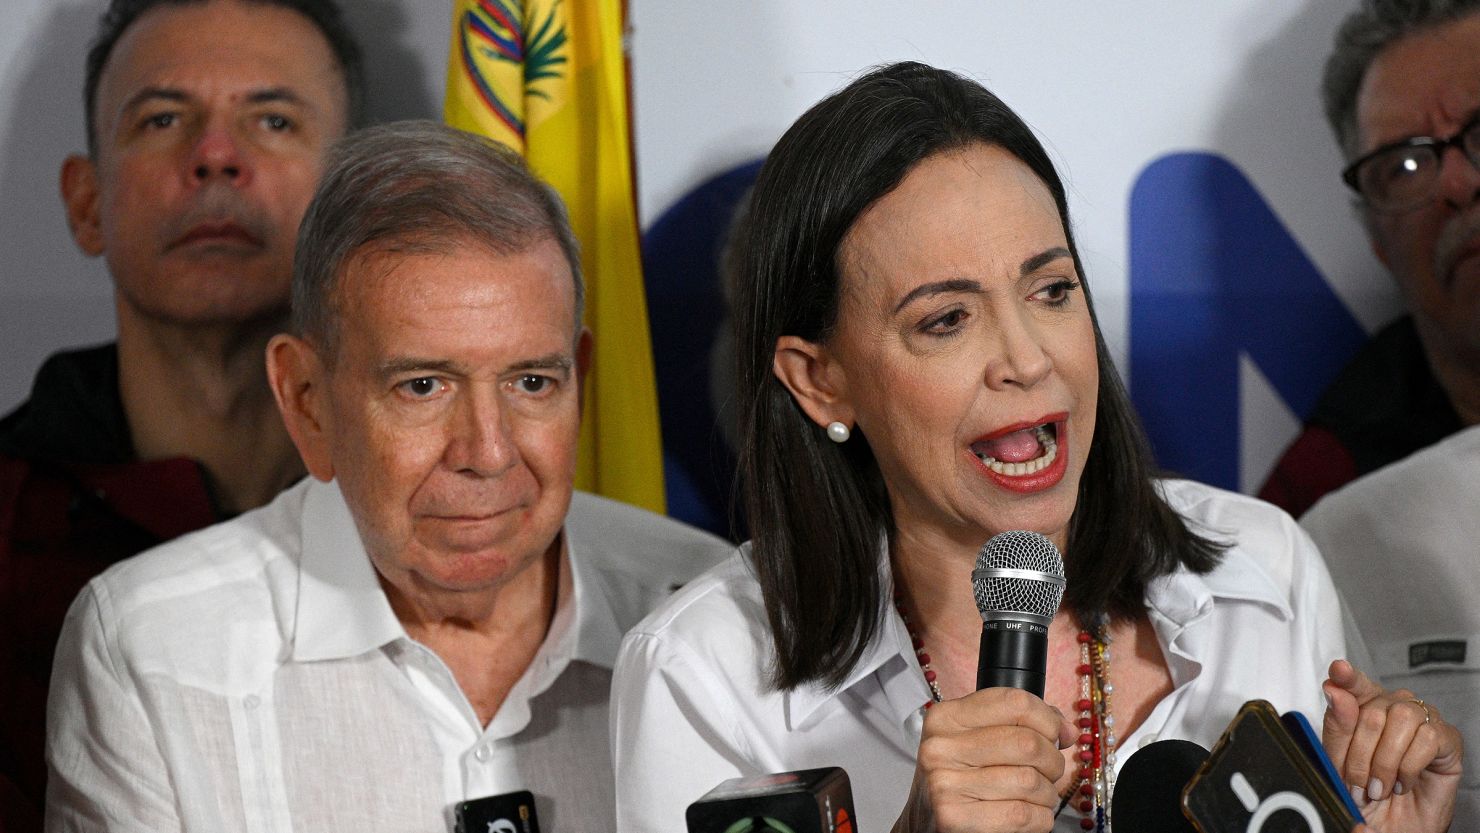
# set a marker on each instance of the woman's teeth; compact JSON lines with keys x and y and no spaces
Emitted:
{"x":1048,"y":451}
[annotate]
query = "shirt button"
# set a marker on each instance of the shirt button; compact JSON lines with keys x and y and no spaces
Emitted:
{"x":482,"y":753}
{"x":1147,"y":739}
{"x":252,"y":701}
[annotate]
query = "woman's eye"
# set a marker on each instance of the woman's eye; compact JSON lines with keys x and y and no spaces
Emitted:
{"x":1057,"y":293}
{"x":946,"y":323}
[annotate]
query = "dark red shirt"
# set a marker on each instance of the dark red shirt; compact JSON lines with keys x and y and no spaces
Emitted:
{"x":73,"y":500}
{"x":1385,"y":405}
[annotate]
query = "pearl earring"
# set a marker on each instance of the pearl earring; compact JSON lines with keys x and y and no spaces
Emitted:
{"x":838,"y":432}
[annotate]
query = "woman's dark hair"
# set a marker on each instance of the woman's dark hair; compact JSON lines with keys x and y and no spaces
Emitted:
{"x":818,"y":509}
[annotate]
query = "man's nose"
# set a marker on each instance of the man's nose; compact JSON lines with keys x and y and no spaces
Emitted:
{"x":218,"y":155}
{"x":1459,"y":178}
{"x":482,"y":441}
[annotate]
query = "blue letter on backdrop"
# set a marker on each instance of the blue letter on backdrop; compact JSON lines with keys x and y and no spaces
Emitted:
{"x":1214,"y":274}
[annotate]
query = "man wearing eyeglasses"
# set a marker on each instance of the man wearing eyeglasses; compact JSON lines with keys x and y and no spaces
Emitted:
{"x":1402,"y":91}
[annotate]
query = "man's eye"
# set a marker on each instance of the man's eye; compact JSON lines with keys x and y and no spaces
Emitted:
{"x":161,"y":120}
{"x":422,"y":387}
{"x":276,"y":123}
{"x":532,"y":383}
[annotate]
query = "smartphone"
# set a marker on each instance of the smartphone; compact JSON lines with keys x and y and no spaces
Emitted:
{"x":1310,"y":743}
{"x":1260,"y":779}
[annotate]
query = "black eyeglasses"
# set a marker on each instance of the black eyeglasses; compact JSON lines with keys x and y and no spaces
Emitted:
{"x":1405,"y":174}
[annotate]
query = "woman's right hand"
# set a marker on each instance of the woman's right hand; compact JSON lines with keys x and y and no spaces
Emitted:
{"x":988,"y":763}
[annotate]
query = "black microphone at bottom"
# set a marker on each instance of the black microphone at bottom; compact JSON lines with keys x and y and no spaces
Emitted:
{"x":802,"y":801}
{"x":1148,"y":790}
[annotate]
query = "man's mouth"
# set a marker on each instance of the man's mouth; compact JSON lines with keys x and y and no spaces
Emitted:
{"x":1021,"y":452}
{"x":227,"y":232}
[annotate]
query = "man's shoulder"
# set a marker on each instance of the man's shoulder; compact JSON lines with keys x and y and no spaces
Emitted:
{"x":1424,"y":496}
{"x":642,"y":546}
{"x":74,"y":413}
{"x":230,"y":572}
{"x":1387,"y":396}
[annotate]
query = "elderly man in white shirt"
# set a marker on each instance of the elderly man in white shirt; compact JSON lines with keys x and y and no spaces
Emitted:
{"x":1402,"y":546}
{"x":431,"y":618}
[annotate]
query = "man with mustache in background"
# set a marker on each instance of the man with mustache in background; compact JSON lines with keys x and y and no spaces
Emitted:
{"x":1402,"y":94}
{"x":208,"y":124}
{"x":1402,"y":91}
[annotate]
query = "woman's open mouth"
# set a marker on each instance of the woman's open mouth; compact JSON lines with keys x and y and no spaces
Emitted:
{"x":1025,"y":457}
{"x":1027,"y":451}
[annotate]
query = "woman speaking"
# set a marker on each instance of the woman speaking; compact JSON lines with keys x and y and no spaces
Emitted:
{"x":919,"y":370}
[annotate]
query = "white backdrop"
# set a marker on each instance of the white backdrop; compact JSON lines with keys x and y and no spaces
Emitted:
{"x":1111,"y":87}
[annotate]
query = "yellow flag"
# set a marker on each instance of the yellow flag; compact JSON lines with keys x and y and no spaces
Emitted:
{"x":549,"y":79}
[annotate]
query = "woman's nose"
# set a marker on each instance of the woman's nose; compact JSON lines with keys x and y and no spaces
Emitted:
{"x":1017,"y":358}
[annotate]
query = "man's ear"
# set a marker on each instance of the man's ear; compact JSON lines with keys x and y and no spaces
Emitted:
{"x":80,"y":196}
{"x":814,"y":379}
{"x":584,"y":357}
{"x":1380,"y":252}
{"x":299,"y":384}
{"x":583,"y":354}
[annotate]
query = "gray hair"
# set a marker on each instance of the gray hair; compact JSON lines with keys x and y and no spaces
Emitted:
{"x":418,"y":186}
{"x":1373,"y":27}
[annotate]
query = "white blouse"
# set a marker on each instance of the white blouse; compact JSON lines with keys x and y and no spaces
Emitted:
{"x":691,"y":706}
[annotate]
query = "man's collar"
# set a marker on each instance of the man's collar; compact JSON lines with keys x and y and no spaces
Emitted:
{"x":596,"y":634}
{"x":342,"y":609}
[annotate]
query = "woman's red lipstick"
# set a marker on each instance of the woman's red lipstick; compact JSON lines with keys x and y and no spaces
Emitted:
{"x":1045,"y":478}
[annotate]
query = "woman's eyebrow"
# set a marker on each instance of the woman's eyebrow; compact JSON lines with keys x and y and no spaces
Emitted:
{"x":1043,"y":258}
{"x":937,"y":288}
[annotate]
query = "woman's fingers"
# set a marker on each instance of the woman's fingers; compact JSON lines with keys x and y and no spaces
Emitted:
{"x":1354,"y":721}
{"x":989,"y":761}
{"x":1385,"y":743}
{"x":994,"y":727}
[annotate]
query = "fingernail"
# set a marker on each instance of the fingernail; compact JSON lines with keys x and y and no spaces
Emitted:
{"x":1359,"y":795}
{"x":1326,"y":694}
{"x":1374,"y":789}
{"x":1398,"y":788}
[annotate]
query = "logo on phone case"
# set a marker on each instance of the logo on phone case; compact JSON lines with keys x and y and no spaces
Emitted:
{"x":1283,"y":800}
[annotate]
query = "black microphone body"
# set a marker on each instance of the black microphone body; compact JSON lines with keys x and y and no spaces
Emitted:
{"x":1018,"y":583}
{"x":1013,"y":655}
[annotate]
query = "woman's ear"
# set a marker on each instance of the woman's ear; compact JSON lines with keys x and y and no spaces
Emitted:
{"x":296,"y":373}
{"x":815,"y":380}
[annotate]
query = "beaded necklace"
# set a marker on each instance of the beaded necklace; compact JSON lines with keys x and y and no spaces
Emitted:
{"x":1090,"y":791}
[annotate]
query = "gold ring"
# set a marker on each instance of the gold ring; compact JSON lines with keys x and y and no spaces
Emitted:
{"x":1428,"y":716}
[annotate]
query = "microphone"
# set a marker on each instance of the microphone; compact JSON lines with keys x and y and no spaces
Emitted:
{"x":1148,"y":790}
{"x":802,"y":801}
{"x":1018,"y":583}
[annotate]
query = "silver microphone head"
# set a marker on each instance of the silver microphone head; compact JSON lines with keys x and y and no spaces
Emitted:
{"x":1019,"y":576}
